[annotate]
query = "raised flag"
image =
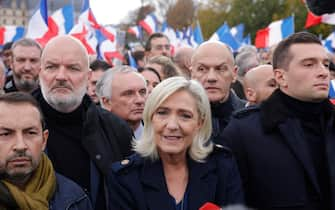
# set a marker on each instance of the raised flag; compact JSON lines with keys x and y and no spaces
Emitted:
{"x":246,"y":40}
{"x":87,"y":37}
{"x":87,"y":17}
{"x":237,"y":32}
{"x":63,"y":18}
{"x":223,"y":29}
{"x":197,"y":34}
{"x":131,"y":60}
{"x":109,"y":32}
{"x":329,"y":42}
{"x":136,"y":31}
{"x":10,"y":34}
{"x":224,"y":35}
{"x":107,"y":49}
{"x":313,"y":20}
{"x":274,"y":33}
{"x":149,"y":23}
{"x":38,"y":23}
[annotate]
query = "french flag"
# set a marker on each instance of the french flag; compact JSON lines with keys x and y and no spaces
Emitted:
{"x":107,"y":49}
{"x":86,"y":16}
{"x":38,"y":24}
{"x":64,"y":19}
{"x":313,"y":20}
{"x":274,"y":33}
{"x":149,"y":24}
{"x":109,"y":32}
{"x":87,"y":37}
{"x":10,"y":34}
{"x":136,"y":31}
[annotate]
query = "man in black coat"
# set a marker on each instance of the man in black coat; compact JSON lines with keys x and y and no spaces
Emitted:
{"x":84,"y":139}
{"x":213,"y":65}
{"x":285,"y":148}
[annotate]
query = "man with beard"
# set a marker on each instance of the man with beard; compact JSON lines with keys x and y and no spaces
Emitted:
{"x":84,"y":139}
{"x":25,"y":66}
{"x":27,"y":177}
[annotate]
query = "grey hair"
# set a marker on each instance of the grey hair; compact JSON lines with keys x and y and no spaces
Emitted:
{"x":201,"y":147}
{"x":245,"y":61}
{"x":104,"y":84}
{"x":27,"y":42}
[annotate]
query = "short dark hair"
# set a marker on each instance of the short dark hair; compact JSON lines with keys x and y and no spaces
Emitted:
{"x":99,"y":65}
{"x":138,"y":55}
{"x":169,"y":68}
{"x":148,"y":46}
{"x":7,"y":46}
{"x":281,"y":55}
{"x":151,"y":70}
{"x":22,"y":98}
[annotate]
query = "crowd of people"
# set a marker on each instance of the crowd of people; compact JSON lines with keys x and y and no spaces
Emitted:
{"x":239,"y":130}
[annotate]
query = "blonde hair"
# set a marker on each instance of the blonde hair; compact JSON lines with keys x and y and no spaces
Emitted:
{"x":201,"y":147}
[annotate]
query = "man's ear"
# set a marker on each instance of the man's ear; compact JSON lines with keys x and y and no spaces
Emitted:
{"x":90,"y":73}
{"x":45,"y":134}
{"x":235,"y":68}
{"x":106,"y":103}
{"x":281,"y":77}
{"x":250,"y":95}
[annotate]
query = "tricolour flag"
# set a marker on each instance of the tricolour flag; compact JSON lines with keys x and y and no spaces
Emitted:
{"x":313,"y":20}
{"x":10,"y":34}
{"x":274,"y":33}
{"x":87,"y":37}
{"x":136,"y":31}
{"x":63,"y":19}
{"x":86,"y":16}
{"x":149,"y":23}
{"x":38,"y":23}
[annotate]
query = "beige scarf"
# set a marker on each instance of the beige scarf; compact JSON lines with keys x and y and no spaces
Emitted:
{"x":39,"y":190}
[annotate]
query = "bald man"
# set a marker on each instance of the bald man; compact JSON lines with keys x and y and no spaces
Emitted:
{"x":84,"y":139}
{"x":259,"y":84}
{"x":182,"y":59}
{"x":213,"y":65}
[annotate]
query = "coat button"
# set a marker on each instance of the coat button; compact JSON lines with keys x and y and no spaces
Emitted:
{"x":98,"y":157}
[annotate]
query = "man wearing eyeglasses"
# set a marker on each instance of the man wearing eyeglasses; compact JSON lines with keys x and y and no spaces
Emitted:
{"x":157,"y":44}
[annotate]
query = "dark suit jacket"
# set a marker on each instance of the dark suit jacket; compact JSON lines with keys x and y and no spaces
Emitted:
{"x":140,"y":183}
{"x":272,"y":155}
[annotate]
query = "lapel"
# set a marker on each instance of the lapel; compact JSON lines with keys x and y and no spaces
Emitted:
{"x":202,"y":183}
{"x":293,"y":135}
{"x":154,"y":187}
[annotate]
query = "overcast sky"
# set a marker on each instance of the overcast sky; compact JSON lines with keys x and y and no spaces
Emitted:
{"x":112,"y":11}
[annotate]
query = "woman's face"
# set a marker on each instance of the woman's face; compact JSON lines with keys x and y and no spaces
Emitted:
{"x":175,"y":122}
{"x":151,"y":78}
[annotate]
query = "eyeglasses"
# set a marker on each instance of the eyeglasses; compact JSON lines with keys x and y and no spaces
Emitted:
{"x":160,"y":47}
